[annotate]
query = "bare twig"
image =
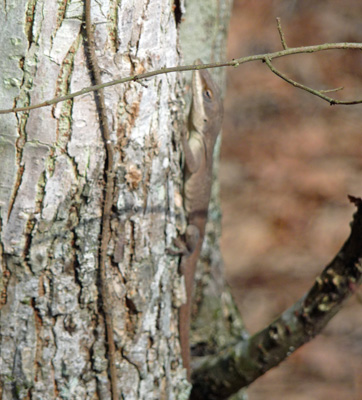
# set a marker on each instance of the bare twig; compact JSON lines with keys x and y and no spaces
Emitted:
{"x":332,"y":90}
{"x":281,"y":34}
{"x":232,"y":63}
{"x":317,"y":93}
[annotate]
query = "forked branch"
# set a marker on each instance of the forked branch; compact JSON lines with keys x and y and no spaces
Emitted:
{"x":318,"y":93}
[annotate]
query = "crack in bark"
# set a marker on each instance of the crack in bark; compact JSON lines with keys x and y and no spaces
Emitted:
{"x":107,"y":204}
{"x":17,"y":183}
{"x":113,"y":27}
{"x":38,"y":327}
{"x":62,"y":8}
{"x":4,"y":280}
{"x":29,"y":21}
{"x":177,"y":11}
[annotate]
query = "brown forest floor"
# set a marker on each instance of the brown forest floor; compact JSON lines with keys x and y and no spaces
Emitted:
{"x":288,"y":162}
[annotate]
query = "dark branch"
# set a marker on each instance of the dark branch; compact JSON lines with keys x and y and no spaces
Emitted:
{"x":236,"y":366}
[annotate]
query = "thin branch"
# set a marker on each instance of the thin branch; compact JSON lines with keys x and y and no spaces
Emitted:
{"x":318,"y":93}
{"x":281,"y":34}
{"x":236,"y":366}
{"x":332,"y":90}
{"x":232,"y":63}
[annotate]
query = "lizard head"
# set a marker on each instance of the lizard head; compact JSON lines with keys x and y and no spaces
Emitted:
{"x":206,"y":108}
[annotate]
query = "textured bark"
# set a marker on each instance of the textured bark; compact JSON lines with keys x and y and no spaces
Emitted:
{"x":52,"y":330}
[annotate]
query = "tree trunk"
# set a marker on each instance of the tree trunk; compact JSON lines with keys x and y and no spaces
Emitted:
{"x":53,"y":176}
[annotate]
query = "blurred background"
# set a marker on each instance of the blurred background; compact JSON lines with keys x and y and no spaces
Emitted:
{"x":289,"y":159}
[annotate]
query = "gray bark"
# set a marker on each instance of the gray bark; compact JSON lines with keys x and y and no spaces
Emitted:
{"x":52,"y":335}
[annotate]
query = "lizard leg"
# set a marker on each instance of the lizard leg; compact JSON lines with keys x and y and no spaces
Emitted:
{"x":187,"y":246}
{"x":192,"y":237}
{"x":180,"y":247}
{"x":191,"y":159}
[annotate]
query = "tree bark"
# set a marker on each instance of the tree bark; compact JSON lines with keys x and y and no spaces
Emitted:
{"x":53,"y":340}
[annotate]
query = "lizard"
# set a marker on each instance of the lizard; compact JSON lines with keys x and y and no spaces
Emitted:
{"x":204,"y":125}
